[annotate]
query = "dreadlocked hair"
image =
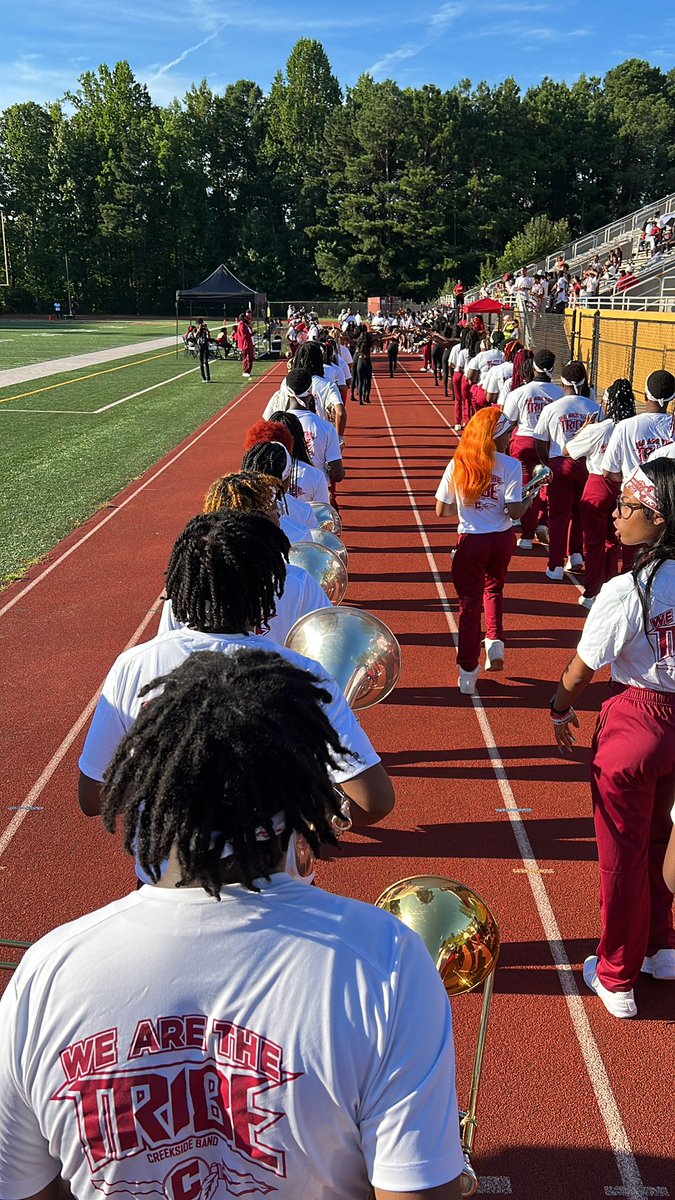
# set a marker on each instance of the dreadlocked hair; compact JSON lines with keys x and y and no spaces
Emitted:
{"x":214,"y":757}
{"x":511,"y":349}
{"x":245,"y":491}
{"x":226,"y":571}
{"x":268,"y":431}
{"x":661,"y":471}
{"x":310,"y":356}
{"x":475,"y":455}
{"x":620,"y":403}
{"x":293,"y":424}
{"x":523,"y":368}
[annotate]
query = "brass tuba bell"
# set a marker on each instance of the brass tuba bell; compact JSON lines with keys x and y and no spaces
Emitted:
{"x":356,"y":648}
{"x":324,"y":566}
{"x":328,"y":517}
{"x":462,"y":937}
{"x":324,"y":538}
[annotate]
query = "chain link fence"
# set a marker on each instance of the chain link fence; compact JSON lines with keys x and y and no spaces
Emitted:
{"x":617,"y":345}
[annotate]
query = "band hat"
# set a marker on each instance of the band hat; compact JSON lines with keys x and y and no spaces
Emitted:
{"x":642,"y":486}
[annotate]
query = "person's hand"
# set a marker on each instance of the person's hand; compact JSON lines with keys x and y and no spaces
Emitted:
{"x":590,"y":420}
{"x":564,"y":736}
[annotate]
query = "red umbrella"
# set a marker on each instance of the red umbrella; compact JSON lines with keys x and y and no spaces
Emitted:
{"x":484,"y":306}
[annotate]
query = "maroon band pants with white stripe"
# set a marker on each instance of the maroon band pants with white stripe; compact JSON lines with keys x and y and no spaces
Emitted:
{"x":564,"y":518}
{"x":633,"y":785}
{"x":479,"y":569}
{"x":601,"y":545}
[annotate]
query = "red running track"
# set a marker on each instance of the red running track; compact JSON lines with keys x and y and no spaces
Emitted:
{"x":573,"y":1101}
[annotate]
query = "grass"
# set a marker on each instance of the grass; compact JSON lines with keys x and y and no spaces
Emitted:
{"x":24,"y":342}
{"x":61,"y":461}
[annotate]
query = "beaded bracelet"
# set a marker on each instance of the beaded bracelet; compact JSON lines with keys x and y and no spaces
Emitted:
{"x":562,"y":718}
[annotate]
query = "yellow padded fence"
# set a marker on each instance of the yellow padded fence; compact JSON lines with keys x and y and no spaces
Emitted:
{"x":614,"y":344}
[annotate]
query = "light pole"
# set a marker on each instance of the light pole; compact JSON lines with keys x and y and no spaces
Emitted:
{"x":70,"y":302}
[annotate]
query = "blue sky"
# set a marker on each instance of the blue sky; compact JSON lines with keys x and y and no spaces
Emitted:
{"x":172,"y":43}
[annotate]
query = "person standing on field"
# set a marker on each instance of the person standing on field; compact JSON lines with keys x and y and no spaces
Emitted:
{"x":245,"y":343}
{"x":202,"y":338}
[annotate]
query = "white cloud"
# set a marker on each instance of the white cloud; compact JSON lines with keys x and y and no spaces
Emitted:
{"x":445,"y":15}
{"x":396,"y":56}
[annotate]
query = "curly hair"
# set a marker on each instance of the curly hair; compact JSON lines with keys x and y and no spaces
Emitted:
{"x":214,"y":757}
{"x":246,"y":491}
{"x":268,"y":431}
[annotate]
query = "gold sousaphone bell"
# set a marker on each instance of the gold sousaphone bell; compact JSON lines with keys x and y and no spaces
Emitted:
{"x":324,"y":566}
{"x":462,"y":937}
{"x":364,"y":658}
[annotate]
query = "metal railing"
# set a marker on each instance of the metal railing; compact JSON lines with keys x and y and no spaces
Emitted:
{"x":611,"y":232}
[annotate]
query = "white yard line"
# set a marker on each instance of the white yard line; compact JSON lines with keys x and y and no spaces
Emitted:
{"x":95,"y":412}
{"x":632,"y":1185}
{"x":73,"y":362}
{"x":59,"y":754}
{"x":110,"y":516}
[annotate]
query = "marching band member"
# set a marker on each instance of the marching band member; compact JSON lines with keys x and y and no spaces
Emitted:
{"x":601,"y":546}
{"x":328,"y":401}
{"x":479,"y":367}
{"x":246,"y":491}
{"x":635,"y":439}
{"x":558,"y":422}
{"x":209,"y":784}
{"x":462,"y":411}
{"x":323,"y":443}
{"x":307,"y":482}
{"x":498,"y":376}
{"x":523,"y":407}
{"x":631,"y":626}
{"x":482,"y":485}
{"x":225,"y":575}
{"x":272,"y":458}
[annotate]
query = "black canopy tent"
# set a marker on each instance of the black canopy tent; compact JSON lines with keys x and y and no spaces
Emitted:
{"x":220,"y":290}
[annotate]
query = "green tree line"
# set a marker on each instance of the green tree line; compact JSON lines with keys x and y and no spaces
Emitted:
{"x":312,"y":190}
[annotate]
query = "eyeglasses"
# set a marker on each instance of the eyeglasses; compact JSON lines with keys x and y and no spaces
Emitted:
{"x":624,"y":509}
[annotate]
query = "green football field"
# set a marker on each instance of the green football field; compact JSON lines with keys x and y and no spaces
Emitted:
{"x":70,"y":442}
{"x":23,"y":342}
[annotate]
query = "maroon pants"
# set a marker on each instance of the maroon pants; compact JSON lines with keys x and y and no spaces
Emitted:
{"x":466,"y":399}
{"x":601,"y":546}
{"x":633,"y":782}
{"x":247,"y":358}
{"x":478,"y":397}
{"x":479,"y":569}
{"x":459,"y":403}
{"x":525,"y":450}
{"x":564,"y":518}
{"x":426,"y":356}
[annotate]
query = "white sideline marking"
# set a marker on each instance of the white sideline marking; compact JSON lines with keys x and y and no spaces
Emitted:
{"x":118,"y":509}
{"x":632,"y":1186}
{"x":143,"y":391}
{"x":39,"y":786}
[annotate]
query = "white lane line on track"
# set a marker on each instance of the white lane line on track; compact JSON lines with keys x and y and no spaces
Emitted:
{"x":632,"y":1186}
{"x":118,"y":509}
{"x":570,"y":577}
{"x":38,"y":787}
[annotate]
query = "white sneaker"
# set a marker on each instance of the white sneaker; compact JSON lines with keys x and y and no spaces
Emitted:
{"x":586,"y":601}
{"x":245,"y":375}
{"x":423,"y":370}
{"x":457,"y":428}
{"x":541,"y":534}
{"x":524,"y":543}
{"x":494,"y":654}
{"x":619,"y":1004}
{"x":661,"y":965}
{"x":556,"y":573}
{"x":574,"y":563}
{"x":467,"y":681}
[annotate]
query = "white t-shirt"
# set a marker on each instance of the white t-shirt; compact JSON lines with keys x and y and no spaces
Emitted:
{"x":321,"y":437}
{"x":488,"y":514}
{"x":635,"y":439}
{"x":454,"y":355}
{"x":525,"y":405}
{"x":663,"y":452}
{"x":182,"y":1042}
{"x":346,"y":354}
{"x":614,"y":632}
{"x":311,"y":483}
{"x":521,"y":286}
{"x":559,"y":421}
{"x":300,"y":512}
{"x":462,"y":359}
{"x":496,"y":377}
{"x":119,"y":704}
{"x":293,"y":531}
{"x":590,"y":443}
{"x":301,"y":595}
{"x":484,"y":362}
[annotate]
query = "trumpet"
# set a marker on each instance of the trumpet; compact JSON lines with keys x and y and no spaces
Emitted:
{"x":462,"y":936}
{"x":540,"y":477}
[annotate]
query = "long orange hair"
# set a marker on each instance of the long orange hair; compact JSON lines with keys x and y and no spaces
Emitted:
{"x":475,"y":455}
